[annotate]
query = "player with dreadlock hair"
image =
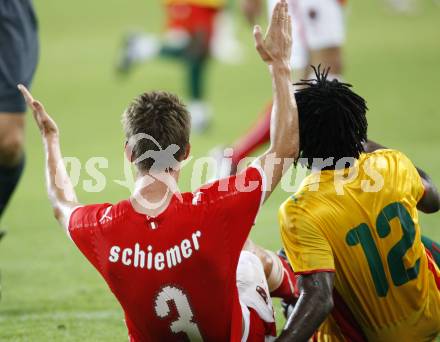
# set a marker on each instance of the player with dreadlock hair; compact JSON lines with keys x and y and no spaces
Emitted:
{"x":332,"y":118}
{"x":352,"y":234}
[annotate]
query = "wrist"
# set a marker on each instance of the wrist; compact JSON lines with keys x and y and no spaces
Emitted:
{"x":280,"y":68}
{"x":51,"y":138}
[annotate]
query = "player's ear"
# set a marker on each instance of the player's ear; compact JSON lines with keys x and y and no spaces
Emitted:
{"x":187,"y":151}
{"x":128,"y":152}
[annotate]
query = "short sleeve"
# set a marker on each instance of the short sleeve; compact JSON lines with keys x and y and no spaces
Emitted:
{"x":83,"y":228}
{"x":247,"y":191}
{"x":306,"y":246}
{"x":410,"y":176}
{"x":234,"y":203}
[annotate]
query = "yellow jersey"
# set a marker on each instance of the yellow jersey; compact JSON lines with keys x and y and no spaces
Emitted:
{"x":362,"y":223}
{"x":201,"y":3}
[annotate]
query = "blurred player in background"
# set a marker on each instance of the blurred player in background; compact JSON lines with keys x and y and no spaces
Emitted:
{"x":194,"y":29}
{"x":174,"y":260}
{"x":318,"y":38}
{"x":353,"y":227}
{"x":18,"y":61}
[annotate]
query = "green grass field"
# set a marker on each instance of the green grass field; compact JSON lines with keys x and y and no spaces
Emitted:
{"x":50,"y":293}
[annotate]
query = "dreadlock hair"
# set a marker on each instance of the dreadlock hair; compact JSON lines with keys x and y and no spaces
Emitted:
{"x":332,"y":119}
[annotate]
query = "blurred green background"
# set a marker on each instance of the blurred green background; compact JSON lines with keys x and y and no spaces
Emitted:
{"x":50,"y":293}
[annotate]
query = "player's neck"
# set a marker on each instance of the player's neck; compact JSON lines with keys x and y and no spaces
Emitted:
{"x":153,"y":192}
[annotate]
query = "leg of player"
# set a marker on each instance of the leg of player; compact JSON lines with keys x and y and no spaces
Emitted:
{"x":257,"y":136}
{"x":328,"y":57}
{"x":196,"y":59}
{"x":18,"y":32}
{"x":280,"y":276}
{"x":191,"y":49}
{"x":324,"y":28}
{"x":255,"y":300}
{"x":433,"y":247}
{"x":11,"y":155}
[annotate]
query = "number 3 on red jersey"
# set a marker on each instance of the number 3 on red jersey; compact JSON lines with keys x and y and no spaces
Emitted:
{"x":184,"y":323}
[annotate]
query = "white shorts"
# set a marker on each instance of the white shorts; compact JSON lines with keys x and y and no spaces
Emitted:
{"x":253,"y":291}
{"x":317,"y":24}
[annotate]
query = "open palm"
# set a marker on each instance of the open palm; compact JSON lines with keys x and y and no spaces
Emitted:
{"x":276,"y":46}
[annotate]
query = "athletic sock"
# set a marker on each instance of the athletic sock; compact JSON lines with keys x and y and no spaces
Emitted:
{"x":257,"y":136}
{"x":9,"y":177}
{"x":173,"y":51}
{"x":196,"y":73}
{"x":282,"y":281}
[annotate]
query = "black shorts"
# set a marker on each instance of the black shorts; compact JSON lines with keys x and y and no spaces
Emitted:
{"x":18,"y":52}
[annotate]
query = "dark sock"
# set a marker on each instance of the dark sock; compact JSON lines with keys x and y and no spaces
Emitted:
{"x":196,"y":68}
{"x":173,"y":52}
{"x":9,"y":177}
{"x":433,"y":247}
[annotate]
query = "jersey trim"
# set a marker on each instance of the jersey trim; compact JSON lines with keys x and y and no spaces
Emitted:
{"x":330,"y":270}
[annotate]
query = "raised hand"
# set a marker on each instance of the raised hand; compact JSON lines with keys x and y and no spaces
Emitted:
{"x":46,"y":124}
{"x":276,"y":46}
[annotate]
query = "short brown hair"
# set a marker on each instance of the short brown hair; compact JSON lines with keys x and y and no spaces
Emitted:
{"x":164,"y":117}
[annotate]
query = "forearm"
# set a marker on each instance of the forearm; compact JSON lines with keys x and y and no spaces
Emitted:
{"x":314,"y":304}
{"x":284,"y":135}
{"x":284,"y":127}
{"x":308,"y":315}
{"x":59,"y":186}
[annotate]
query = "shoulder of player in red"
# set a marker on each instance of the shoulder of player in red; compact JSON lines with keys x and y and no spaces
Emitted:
{"x":249,"y":183}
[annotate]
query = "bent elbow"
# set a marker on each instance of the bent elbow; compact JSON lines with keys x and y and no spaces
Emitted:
{"x":291,"y":150}
{"x":324,"y":303}
{"x":436,"y":206}
{"x":327,"y":305}
{"x":430,"y":207}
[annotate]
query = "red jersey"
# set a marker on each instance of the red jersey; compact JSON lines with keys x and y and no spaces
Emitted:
{"x":175,"y":275}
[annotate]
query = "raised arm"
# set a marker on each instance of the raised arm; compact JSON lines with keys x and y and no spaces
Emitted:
{"x":59,"y":187}
{"x":275,"y":50}
{"x":430,"y":201}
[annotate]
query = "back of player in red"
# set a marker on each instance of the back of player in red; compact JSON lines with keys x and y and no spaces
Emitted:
{"x":175,"y":274}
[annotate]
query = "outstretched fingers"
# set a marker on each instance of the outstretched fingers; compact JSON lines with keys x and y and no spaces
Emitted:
{"x":259,"y":43}
{"x":43,"y":120}
{"x":26,"y":94}
{"x":276,"y":15}
{"x":36,"y":106}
